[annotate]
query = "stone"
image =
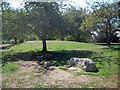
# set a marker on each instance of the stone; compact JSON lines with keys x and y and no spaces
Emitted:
{"x":91,"y":67}
{"x":82,"y":63}
{"x":39,"y":67}
{"x":72,"y":61}
{"x":87,"y":64}
{"x":66,"y":66}
{"x":46,"y":65}
{"x":72,"y":68}
{"x":40,"y":63}
{"x":84,"y":67}
{"x":52,"y":68}
{"x":76,"y":60}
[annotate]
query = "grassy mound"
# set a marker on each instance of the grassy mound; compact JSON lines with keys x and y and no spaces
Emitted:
{"x":52,"y":46}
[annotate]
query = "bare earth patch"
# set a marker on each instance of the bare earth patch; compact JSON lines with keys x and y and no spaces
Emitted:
{"x":30,"y":77}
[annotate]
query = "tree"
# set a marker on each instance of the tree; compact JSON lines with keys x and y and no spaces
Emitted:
{"x":75,"y":17}
{"x":44,"y":18}
{"x":107,"y":13}
{"x":12,"y":23}
{"x":100,"y":19}
{"x":4,"y":7}
{"x":89,"y":25}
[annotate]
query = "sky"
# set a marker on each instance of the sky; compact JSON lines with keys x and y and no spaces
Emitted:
{"x":77,"y":3}
{"x":16,"y":3}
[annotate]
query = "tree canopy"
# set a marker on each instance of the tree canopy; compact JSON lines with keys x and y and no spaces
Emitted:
{"x":52,"y":20}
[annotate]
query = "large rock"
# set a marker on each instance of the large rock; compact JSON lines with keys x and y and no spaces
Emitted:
{"x":90,"y":66}
{"x":72,"y":68}
{"x":86,"y":63}
{"x":74,"y":60}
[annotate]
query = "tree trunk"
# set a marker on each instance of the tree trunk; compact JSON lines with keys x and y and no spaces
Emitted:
{"x":15,"y":40}
{"x":109,"y":34}
{"x":108,"y":41}
{"x":43,"y":37}
{"x":44,"y":48}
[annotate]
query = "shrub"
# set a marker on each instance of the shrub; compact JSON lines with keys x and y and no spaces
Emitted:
{"x":69,"y":38}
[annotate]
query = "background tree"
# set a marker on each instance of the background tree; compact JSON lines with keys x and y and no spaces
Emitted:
{"x":75,"y":17}
{"x":12,"y":23}
{"x":107,"y":13}
{"x":89,"y":25}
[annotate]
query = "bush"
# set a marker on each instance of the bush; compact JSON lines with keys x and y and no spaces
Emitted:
{"x":21,"y":40}
{"x":69,"y":38}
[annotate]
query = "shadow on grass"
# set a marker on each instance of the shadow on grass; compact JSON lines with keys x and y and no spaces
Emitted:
{"x":7,"y":46}
{"x":105,"y":44}
{"x":115,"y":47}
{"x":59,"y":56}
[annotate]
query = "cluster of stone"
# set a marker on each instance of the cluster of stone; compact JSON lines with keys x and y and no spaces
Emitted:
{"x":44,"y":65}
{"x":87,"y":64}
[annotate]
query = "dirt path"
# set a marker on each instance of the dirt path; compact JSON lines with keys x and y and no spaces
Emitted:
{"x":30,"y":77}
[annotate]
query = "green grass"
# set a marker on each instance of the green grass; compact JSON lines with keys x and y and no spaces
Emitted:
{"x":85,"y":86}
{"x":104,"y":70}
{"x":52,"y":46}
{"x":10,"y":68}
{"x":106,"y":58}
{"x":65,"y":45}
{"x":62,"y":68}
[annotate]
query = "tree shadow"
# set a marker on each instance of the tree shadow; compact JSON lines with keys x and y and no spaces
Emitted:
{"x":6,"y":46}
{"x":115,"y":48}
{"x":58,"y":57}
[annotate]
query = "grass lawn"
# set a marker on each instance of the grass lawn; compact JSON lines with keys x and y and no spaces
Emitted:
{"x":52,"y":46}
{"x":59,"y":52}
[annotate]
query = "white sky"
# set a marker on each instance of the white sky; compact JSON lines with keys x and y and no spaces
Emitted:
{"x":81,"y":3}
{"x":16,"y":3}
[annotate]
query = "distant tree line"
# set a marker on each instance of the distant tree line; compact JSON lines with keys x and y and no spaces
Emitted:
{"x":53,"y":21}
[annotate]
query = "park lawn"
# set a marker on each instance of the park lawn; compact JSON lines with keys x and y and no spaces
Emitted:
{"x":65,"y":45}
{"x":52,"y":46}
{"x":106,"y":58}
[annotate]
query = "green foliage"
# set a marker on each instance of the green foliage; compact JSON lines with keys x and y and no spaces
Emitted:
{"x":12,"y":24}
{"x":38,"y":20}
{"x":69,"y":38}
{"x":10,"y":68}
{"x":45,"y":18}
{"x":75,"y":18}
{"x":89,"y":22}
{"x":106,"y":16}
